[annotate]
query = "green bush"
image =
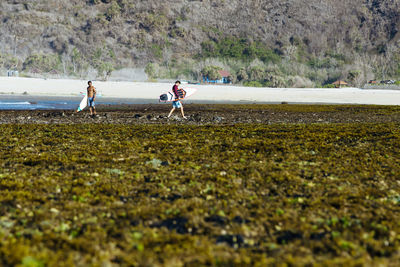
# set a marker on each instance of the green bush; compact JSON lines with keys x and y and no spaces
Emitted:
{"x":211,"y":72}
{"x":337,"y":56}
{"x":154,"y":22}
{"x":319,"y":63}
{"x":253,"y":84}
{"x":151,"y":70}
{"x":42,"y":63}
{"x":257,"y":73}
{"x":353,"y":75}
{"x":238,"y":48}
{"x":232,"y":78}
{"x":102,"y":60}
{"x":329,"y":86}
{"x":209,"y":49}
{"x":275,"y":81}
{"x":8,"y":61}
{"x":242,"y":75}
{"x":157,"y":51}
{"x":104,"y":70}
{"x":78,"y":62}
{"x":113,"y":11}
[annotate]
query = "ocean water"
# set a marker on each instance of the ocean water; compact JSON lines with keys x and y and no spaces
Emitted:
{"x":26,"y":102}
{"x":18,"y":102}
{"x":33,"y":105}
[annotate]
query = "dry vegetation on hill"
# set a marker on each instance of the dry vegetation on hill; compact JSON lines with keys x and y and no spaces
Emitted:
{"x":316,"y":40}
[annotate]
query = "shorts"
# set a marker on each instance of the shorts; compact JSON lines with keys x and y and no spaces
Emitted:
{"x":91,"y":102}
{"x":176,"y":104}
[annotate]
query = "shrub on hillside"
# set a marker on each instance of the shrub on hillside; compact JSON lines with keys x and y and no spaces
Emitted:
{"x":253,"y":84}
{"x":242,"y":75}
{"x":104,"y":70}
{"x":113,"y":11}
{"x":257,"y":73}
{"x":43,"y":63}
{"x":102,"y":60}
{"x":151,"y":70}
{"x":353,"y":75}
{"x":238,"y":48}
{"x":232,"y":78}
{"x":211,"y":72}
{"x":8,"y":61}
{"x":275,"y":81}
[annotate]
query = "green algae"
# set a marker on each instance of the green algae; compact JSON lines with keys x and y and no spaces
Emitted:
{"x":374,"y":109}
{"x":248,"y":194}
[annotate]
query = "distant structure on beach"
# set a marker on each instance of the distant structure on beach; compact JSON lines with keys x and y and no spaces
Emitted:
{"x":12,"y":73}
{"x":339,"y":84}
{"x":224,"y":78}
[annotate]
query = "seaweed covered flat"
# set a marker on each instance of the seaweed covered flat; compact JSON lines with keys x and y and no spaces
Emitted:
{"x":210,"y":114}
{"x":177,"y":194}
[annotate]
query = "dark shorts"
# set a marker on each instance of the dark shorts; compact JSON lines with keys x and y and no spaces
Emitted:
{"x":91,"y":101}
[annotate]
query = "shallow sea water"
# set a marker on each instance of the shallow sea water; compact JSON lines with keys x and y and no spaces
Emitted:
{"x":26,"y":102}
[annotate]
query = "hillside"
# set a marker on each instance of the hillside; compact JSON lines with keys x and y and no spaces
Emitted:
{"x":111,"y":34}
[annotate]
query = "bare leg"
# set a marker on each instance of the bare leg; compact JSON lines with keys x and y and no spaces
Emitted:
{"x":183,"y":114}
{"x":170,"y":113}
{"x":94,"y":110}
{"x":91,"y":111}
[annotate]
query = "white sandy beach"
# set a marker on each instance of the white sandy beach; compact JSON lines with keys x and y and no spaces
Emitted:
{"x":220,"y":93}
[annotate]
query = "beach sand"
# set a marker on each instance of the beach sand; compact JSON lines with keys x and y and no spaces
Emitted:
{"x":206,"y":93}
